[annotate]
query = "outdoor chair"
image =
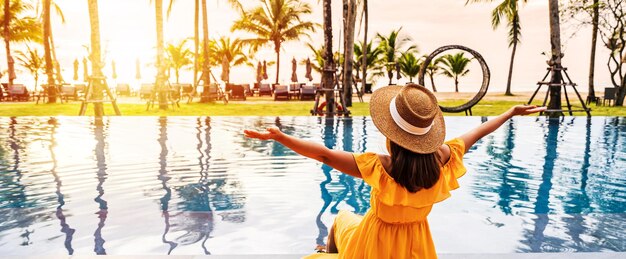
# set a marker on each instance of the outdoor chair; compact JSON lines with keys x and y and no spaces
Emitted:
{"x":237,"y":92}
{"x":609,"y":95}
{"x":80,"y":89}
{"x":18,"y":92}
{"x":307,"y":92}
{"x":265,"y":89}
{"x":317,"y":86}
{"x":247,"y":90}
{"x":281,"y":92}
{"x":294,"y":90}
{"x":146,"y":90}
{"x":3,"y":93}
{"x":175,"y":91}
{"x":214,"y":93}
{"x":122,"y":89}
{"x":187,"y":91}
{"x":68,"y":91}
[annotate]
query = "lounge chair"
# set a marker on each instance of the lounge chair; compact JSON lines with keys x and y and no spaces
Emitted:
{"x":67,"y":92}
{"x":18,"y":92}
{"x":265,"y":89}
{"x":281,"y":92}
{"x":122,"y":89}
{"x":247,"y":90}
{"x":294,"y":90}
{"x":175,"y":90}
{"x":307,"y":92}
{"x":237,"y":92}
{"x":187,"y":91}
{"x":146,"y":91}
{"x":317,"y":86}
{"x":214,"y":93}
{"x":4,"y":94}
{"x":609,"y":95}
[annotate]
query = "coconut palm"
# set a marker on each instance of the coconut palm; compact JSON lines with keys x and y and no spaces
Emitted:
{"x":18,"y":27}
{"x":178,"y":57}
{"x":47,"y":51}
{"x":373,"y":59}
{"x":393,"y":45}
{"x":275,"y":21}
{"x":410,"y":65}
{"x":509,"y":10}
{"x":431,"y":70}
{"x":59,"y":13}
{"x":318,"y":58}
{"x":32,"y":61}
{"x":455,"y":66}
{"x":229,"y":48}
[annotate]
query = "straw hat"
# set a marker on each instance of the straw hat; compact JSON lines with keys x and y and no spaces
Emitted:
{"x":409,"y":116}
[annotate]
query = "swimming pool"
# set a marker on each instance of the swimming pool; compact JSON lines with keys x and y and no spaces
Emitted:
{"x":189,"y":185}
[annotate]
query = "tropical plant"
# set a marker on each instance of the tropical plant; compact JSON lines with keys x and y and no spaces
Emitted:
{"x":275,"y":21}
{"x":373,"y":59}
{"x":431,"y":70}
{"x":178,"y":57}
{"x":18,"y":27}
{"x":509,"y":10}
{"x":455,"y":66}
{"x":410,"y":65}
{"x":232,"y":49}
{"x":392,"y":46}
{"x":32,"y":61}
{"x":317,"y":63}
{"x":59,"y":13}
{"x":47,"y":30}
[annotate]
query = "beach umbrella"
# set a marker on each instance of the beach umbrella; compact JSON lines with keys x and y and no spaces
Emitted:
{"x":398,"y":76}
{"x":11,"y":68}
{"x":308,"y":70}
{"x":294,"y":75}
{"x":259,"y":72}
{"x":225,"y":69}
{"x":265,"y":70}
{"x":75,"y":70}
{"x":114,"y":76}
{"x":85,"y":71}
{"x":137,"y":69}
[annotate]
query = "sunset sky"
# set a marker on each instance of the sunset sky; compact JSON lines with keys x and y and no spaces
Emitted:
{"x":128,"y":33}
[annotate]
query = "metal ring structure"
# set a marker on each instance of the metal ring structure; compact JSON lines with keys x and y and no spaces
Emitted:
{"x":486,"y":76}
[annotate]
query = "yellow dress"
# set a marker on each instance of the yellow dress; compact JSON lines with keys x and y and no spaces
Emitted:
{"x":396,"y":224}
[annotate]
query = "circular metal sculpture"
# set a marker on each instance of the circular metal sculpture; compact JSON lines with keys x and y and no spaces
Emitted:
{"x":486,"y":76}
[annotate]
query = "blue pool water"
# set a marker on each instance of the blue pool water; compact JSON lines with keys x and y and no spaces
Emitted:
{"x":188,"y":185}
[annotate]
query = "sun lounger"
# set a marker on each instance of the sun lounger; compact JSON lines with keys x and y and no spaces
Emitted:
{"x":214,"y":93}
{"x":18,"y":92}
{"x":307,"y":92}
{"x":146,"y":90}
{"x":67,"y":92}
{"x":237,"y":92}
{"x":281,"y":92}
{"x":122,"y":89}
{"x":294,"y":91}
{"x":247,"y":90}
{"x":265,"y":89}
{"x":175,"y":91}
{"x":187,"y":91}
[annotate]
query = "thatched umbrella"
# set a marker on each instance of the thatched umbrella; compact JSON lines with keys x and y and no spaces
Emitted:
{"x":308,"y":69}
{"x":225,"y":69}
{"x":137,"y":69}
{"x":114,"y":76}
{"x":294,"y":75}
{"x":259,"y":72}
{"x":85,"y":70}
{"x":265,"y":70}
{"x":76,"y":64}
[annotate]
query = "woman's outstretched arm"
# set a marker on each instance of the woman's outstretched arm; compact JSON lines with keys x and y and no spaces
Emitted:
{"x":486,"y":128}
{"x":340,"y":160}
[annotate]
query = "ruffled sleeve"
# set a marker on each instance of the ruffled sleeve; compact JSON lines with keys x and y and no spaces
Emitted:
{"x":454,"y":168}
{"x":370,"y":168}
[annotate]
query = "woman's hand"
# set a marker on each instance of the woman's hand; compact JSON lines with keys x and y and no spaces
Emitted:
{"x":272,"y":133}
{"x":525,"y":109}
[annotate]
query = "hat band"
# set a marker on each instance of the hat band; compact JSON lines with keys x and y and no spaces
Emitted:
{"x":405,"y":125}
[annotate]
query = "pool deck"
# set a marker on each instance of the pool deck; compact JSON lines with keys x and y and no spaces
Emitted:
{"x":607,"y":255}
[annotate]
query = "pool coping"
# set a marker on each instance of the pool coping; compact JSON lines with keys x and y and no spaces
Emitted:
{"x":573,"y":255}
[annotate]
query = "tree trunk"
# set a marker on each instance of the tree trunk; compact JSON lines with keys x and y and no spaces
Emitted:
{"x":160,"y":78}
{"x":48,"y":57}
{"x":277,"y":49}
{"x":177,"y":73}
{"x":329,"y":66}
{"x":206,"y":73}
{"x":432,"y":82}
{"x":390,"y":75}
{"x":57,"y":66}
{"x":364,"y":50}
{"x":348,"y":59}
{"x":508,"y":82}
{"x":95,"y":57}
{"x":196,"y":42}
{"x":594,"y":39}
{"x":555,"y":61}
{"x":456,"y":84}
{"x":7,"y":38}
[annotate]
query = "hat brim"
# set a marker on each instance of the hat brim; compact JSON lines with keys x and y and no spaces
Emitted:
{"x":381,"y":116}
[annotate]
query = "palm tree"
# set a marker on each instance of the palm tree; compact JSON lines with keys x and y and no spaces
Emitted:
{"x":318,"y":58}
{"x":178,"y":57}
{"x":410,"y":65}
{"x":392,"y":46}
{"x":508,"y":9}
{"x":94,"y":56}
{"x":275,"y":21}
{"x":373,"y":59}
{"x":32,"y":61}
{"x":231,"y":49}
{"x":432,"y":69}
{"x":160,"y":61}
{"x":17,"y":27}
{"x":59,"y":12}
{"x":47,"y":54}
{"x":455,"y":66}
{"x":365,"y":51}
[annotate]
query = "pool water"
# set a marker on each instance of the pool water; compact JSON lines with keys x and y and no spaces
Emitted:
{"x":196,"y":185}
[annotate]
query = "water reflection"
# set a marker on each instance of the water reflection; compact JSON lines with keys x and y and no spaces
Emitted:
{"x":103,"y":208}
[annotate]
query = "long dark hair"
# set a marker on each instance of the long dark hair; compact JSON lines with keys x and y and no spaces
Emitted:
{"x":414,"y":171}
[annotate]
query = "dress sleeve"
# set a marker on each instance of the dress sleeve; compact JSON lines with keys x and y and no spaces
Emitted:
{"x":454,"y":168}
{"x":369,"y":168}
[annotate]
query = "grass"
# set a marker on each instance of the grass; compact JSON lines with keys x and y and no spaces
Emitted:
{"x":254,"y":108}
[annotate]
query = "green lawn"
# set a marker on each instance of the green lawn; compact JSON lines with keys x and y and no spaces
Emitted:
{"x":250,"y":108}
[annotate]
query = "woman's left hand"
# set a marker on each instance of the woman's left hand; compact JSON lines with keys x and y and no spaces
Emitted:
{"x":272,"y":133}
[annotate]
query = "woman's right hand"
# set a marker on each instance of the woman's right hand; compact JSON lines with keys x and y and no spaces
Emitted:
{"x":272,"y":133}
{"x":525,"y":109}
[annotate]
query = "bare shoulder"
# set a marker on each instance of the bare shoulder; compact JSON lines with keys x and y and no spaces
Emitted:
{"x":386,"y":161}
{"x":444,"y":153}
